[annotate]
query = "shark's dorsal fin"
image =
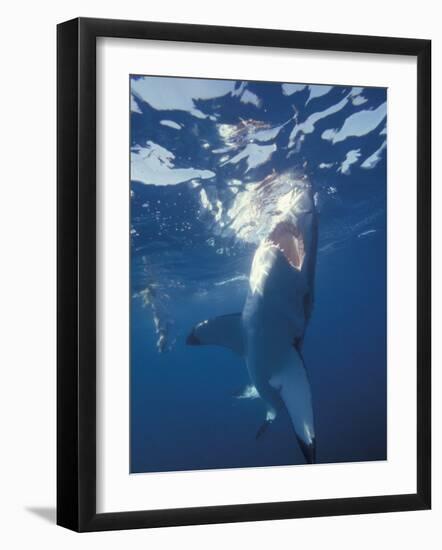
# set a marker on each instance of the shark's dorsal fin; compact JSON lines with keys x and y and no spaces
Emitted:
{"x":294,"y":388}
{"x":225,"y":331}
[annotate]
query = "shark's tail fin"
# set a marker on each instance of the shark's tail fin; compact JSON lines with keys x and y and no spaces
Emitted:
{"x":225,"y":331}
{"x":294,"y":388}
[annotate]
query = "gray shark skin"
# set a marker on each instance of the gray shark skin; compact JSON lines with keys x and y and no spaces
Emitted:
{"x":269,"y":332}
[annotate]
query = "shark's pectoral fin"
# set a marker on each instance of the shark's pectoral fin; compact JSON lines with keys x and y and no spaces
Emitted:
{"x":225,"y":331}
{"x":294,"y":388}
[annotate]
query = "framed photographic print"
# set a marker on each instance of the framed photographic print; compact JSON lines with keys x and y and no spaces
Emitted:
{"x":243,"y":274}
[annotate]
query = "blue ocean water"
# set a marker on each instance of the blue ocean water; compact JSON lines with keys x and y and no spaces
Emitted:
{"x":211,"y":164}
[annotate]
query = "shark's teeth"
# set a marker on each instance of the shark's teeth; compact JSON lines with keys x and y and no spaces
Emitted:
{"x":271,"y":244}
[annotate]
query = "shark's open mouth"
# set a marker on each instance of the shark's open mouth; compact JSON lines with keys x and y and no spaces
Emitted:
{"x":290,"y":241}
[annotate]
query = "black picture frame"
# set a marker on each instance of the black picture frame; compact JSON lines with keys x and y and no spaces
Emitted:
{"x":76,"y":274}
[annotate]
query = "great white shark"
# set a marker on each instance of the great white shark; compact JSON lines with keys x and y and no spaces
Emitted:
{"x":269,"y":333}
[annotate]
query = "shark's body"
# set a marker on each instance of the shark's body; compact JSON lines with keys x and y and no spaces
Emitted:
{"x":269,"y":333}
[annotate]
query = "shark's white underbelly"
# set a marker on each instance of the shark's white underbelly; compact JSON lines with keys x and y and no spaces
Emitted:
{"x":273,"y":317}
